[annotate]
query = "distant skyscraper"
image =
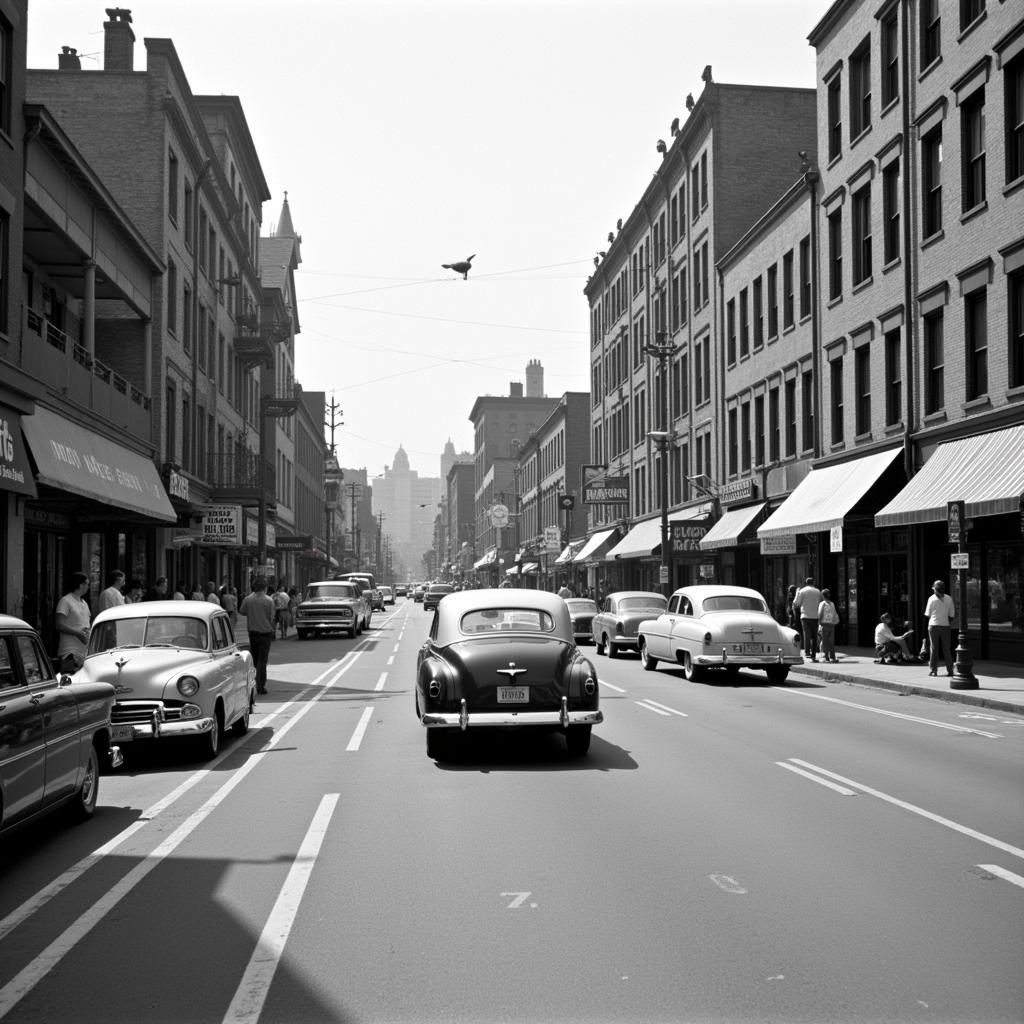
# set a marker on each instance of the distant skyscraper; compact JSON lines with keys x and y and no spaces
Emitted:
{"x":449,"y":458}
{"x":409,"y":504}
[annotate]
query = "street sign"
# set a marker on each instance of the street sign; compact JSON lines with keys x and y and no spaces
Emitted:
{"x":956,"y":521}
{"x":960,"y":560}
{"x":552,"y":538}
{"x":663,"y":574}
{"x":499,"y":516}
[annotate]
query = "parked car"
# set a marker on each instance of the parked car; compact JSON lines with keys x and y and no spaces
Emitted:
{"x":581,"y":611}
{"x":504,"y":659}
{"x":54,"y":733}
{"x":614,"y":627}
{"x":376,"y":597}
{"x":177,"y":671}
{"x":387,"y":595}
{"x":720,"y":628}
{"x":432,"y":598}
{"x":332,"y":606}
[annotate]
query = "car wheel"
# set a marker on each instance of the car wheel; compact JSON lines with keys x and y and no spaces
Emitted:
{"x":610,"y":648}
{"x":209,"y":742}
{"x":577,"y":740}
{"x":649,"y":663}
{"x":241,"y":725}
{"x":437,"y":744}
{"x":777,"y":674}
{"x":83,"y":804}
{"x":691,"y":671}
{"x":598,"y":646}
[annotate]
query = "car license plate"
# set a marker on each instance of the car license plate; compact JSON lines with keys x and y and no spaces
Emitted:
{"x":753,"y":648}
{"x":513,"y":695}
{"x":120,"y":733}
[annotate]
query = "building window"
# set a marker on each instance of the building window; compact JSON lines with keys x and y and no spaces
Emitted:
{"x":835,"y":117}
{"x":790,"y":417}
{"x":773,"y":301}
{"x":172,"y":296}
{"x":759,"y":430}
{"x":773,"y":425}
{"x":704,"y":179}
{"x":170,"y":424}
{"x":862,"y":383}
{"x":787,"y":290}
{"x":6,"y":66}
{"x":745,"y":436}
{"x":972,"y":146}
{"x":970,"y":11}
{"x":172,"y":186}
{"x":931,"y":182}
{"x":188,"y":215}
{"x":705,"y":279}
{"x":1013,"y":79}
{"x":931,"y":32}
{"x":758,"y":314}
{"x":836,"y":381}
{"x":186,"y":433}
{"x":891,"y":211}
{"x":835,"y":254}
{"x":744,"y":325}
{"x":5,"y":270}
{"x":860,"y":89}
{"x":934,"y":363}
{"x":730,"y":331}
{"x":893,"y":378}
{"x":976,"y":329}
{"x":807,"y":400}
{"x":890,"y":59}
{"x":734,"y":446}
{"x":805,"y":276}
{"x":861,"y":226}
{"x":1015,"y":284}
{"x":186,"y":318}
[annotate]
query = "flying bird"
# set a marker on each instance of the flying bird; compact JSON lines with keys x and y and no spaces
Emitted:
{"x":463,"y":267}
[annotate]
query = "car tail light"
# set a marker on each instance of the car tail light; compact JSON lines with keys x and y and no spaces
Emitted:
{"x":188,"y":686}
{"x":434,"y":689}
{"x":590,"y":686}
{"x":707,"y":639}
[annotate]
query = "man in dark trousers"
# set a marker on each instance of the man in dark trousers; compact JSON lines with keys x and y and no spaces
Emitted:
{"x":258,"y":609}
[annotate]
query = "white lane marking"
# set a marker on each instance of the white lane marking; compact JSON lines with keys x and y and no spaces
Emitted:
{"x":892,"y":714}
{"x":938,"y":819}
{"x":666,"y":708}
{"x":816,"y":778}
{"x":251,"y":994}
{"x":648,"y":707}
{"x":34,"y":972}
{"x":728,"y":884}
{"x":357,"y":736}
{"x":390,"y":660}
{"x":617,"y":689}
{"x":1007,"y":876}
{"x":380,"y":682}
{"x":394,"y":650}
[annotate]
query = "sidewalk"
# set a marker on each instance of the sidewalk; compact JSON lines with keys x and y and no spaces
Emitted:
{"x":1000,"y":685}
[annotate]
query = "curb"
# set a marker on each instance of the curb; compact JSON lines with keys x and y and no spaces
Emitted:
{"x":975,"y":698}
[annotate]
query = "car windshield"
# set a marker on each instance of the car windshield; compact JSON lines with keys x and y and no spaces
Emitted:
{"x":632,"y":604}
{"x":734,"y":603}
{"x":151,"y":631}
{"x":442,"y":589}
{"x":496,"y":620}
{"x":332,"y":590}
{"x":581,"y":606}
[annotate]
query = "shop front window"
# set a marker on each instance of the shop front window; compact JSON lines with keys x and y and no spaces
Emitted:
{"x":1003,"y":593}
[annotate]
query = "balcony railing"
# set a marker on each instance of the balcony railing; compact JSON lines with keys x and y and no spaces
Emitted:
{"x":284,"y":401}
{"x":241,"y":477}
{"x":51,"y":357}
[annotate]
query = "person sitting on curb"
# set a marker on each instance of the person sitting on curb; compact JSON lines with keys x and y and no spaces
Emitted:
{"x":889,"y":646}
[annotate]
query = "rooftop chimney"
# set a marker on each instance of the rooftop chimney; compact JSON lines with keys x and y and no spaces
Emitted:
{"x":68,"y":59}
{"x":515,"y":389}
{"x":119,"y":41}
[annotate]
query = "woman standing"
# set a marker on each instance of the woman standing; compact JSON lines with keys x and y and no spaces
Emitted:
{"x":828,"y":619}
{"x":72,"y":621}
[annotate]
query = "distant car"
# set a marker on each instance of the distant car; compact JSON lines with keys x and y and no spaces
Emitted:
{"x":177,"y":671}
{"x":401,"y":591}
{"x":614,"y":627}
{"x":387,"y":595}
{"x":417,"y":594}
{"x":376,"y":599}
{"x":333,"y":606}
{"x":719,"y":628}
{"x":504,"y":659}
{"x":582,"y":611}
{"x":432,"y":598}
{"x":54,"y":733}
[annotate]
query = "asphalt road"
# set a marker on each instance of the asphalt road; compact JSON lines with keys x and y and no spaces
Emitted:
{"x":729,"y":852}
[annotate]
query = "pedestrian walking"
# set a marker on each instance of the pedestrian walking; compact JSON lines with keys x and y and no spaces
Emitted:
{"x":229,"y":601}
{"x":210,"y":592}
{"x":112,"y":596}
{"x":197,"y":593}
{"x":72,"y":621}
{"x":941,"y":615}
{"x":281,"y":609}
{"x":258,"y":609}
{"x":805,"y":605}
{"x":828,"y":619}
{"x":791,"y":616}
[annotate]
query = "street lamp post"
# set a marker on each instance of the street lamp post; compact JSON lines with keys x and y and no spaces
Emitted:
{"x":663,"y":440}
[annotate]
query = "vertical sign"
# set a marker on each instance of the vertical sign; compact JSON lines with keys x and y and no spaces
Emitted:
{"x":956,"y":518}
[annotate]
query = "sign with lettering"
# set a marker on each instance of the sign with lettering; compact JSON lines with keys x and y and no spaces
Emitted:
{"x":835,"y":539}
{"x":783,"y":545}
{"x":222,"y":524}
{"x":296,"y":543}
{"x":15,"y":471}
{"x":612,"y":490}
{"x":960,"y":560}
{"x":552,"y":539}
{"x":956,"y":521}
{"x":687,"y":536}
{"x":738,"y":490}
{"x":177,"y":485}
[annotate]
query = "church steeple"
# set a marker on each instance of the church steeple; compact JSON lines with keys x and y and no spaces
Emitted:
{"x":284,"y":225}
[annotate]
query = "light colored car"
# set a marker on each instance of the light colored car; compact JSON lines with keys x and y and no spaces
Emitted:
{"x":721,"y":628}
{"x":177,"y":671}
{"x":333,"y":606}
{"x":582,"y":611}
{"x":504,"y":659}
{"x":435,"y":592}
{"x":387,"y":594}
{"x":615,"y":626}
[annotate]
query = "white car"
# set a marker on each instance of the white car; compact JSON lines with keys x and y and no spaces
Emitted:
{"x":719,"y":628}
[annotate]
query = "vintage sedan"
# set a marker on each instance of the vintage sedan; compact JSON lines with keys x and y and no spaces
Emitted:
{"x":581,"y":611}
{"x":504,"y":659}
{"x":333,"y":606}
{"x":434,"y":593}
{"x":177,"y":671}
{"x":615,"y":626}
{"x":54,"y":733}
{"x":719,"y":628}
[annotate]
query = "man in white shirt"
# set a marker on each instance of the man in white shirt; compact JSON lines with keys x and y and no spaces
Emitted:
{"x":941,"y":614}
{"x":806,"y":604}
{"x":112,"y":596}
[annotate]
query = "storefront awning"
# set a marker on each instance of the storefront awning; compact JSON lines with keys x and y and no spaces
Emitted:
{"x":74,"y":459}
{"x":595,"y":545}
{"x":523,"y":569}
{"x":644,"y":539}
{"x":15,"y":471}
{"x":729,"y":529}
{"x":825,"y":496}
{"x":985,"y":471}
{"x":569,"y":552}
{"x":487,"y":560}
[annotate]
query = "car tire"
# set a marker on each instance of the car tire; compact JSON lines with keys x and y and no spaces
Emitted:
{"x":646,"y":660}
{"x":354,"y":632}
{"x":83,"y":803}
{"x":610,"y":648}
{"x":777,"y":674}
{"x":577,"y":740}
{"x":598,"y":646}
{"x":692,"y":672}
{"x":438,"y":744}
{"x":241,"y":725}
{"x":209,"y":742}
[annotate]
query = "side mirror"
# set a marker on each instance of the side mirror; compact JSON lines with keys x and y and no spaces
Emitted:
{"x":64,"y":679}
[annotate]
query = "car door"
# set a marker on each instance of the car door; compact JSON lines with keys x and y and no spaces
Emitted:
{"x":22,"y":744}
{"x":658,"y":634}
{"x":226,"y":667}
{"x":684,"y":627}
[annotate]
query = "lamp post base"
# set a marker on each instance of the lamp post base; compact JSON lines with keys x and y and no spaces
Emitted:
{"x":963,"y":677}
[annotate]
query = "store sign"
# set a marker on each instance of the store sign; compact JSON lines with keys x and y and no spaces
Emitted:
{"x":610,"y":490}
{"x":299,"y":543}
{"x":960,"y":560}
{"x":270,"y":534}
{"x":222,"y":524}
{"x":835,"y":539}
{"x":552,"y":539}
{"x":707,"y":571}
{"x":499,"y":516}
{"x":956,"y":521}
{"x":15,"y":472}
{"x":784,"y":545}
{"x":177,"y":485}
{"x":738,"y":490}
{"x":252,"y":531}
{"x":687,"y":536}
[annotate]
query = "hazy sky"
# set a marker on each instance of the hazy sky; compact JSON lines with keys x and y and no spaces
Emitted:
{"x":411,"y":134}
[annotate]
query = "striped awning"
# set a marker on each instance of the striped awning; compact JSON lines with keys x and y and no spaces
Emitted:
{"x":489,"y":557}
{"x":729,"y":529}
{"x":594,"y":544}
{"x":985,"y":471}
{"x":569,"y":552}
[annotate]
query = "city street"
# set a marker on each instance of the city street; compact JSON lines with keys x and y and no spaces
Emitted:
{"x":728,"y":851}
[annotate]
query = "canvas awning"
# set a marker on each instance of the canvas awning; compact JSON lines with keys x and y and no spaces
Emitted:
{"x":825,"y":496}
{"x":487,"y":560}
{"x":985,"y":471}
{"x":569,"y":552}
{"x":644,"y":539}
{"x":523,"y":569}
{"x":72,"y":458}
{"x":595,"y":545}
{"x":730,"y":528}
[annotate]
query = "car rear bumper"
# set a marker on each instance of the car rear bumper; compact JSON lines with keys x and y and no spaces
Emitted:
{"x":624,"y":641}
{"x":723,"y":660}
{"x":157,"y":729}
{"x":465,"y":718}
{"x":311,"y":623}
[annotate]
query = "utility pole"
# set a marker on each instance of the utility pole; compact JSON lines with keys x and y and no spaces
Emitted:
{"x":332,"y":474}
{"x":663,"y":439}
{"x":352,"y":487}
{"x":333,"y":420}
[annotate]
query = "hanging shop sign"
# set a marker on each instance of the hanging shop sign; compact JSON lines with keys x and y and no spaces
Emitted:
{"x":15,"y":471}
{"x":295,"y":543}
{"x":610,"y":490}
{"x":222,"y":524}
{"x":687,"y":536}
{"x":738,"y":490}
{"x":177,"y":485}
{"x":784,"y":544}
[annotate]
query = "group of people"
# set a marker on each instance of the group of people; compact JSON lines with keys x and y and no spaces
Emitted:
{"x":814,"y":614}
